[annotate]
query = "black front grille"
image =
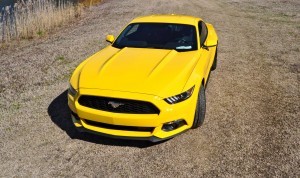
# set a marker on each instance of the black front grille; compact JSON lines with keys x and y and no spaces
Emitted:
{"x":118,"y":105}
{"x":119,"y":127}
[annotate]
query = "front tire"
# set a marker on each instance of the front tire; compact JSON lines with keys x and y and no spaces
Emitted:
{"x":200,"y":108}
{"x":214,"y":66}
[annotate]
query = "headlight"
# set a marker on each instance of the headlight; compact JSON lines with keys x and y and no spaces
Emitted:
{"x":181,"y":97}
{"x":72,"y":91}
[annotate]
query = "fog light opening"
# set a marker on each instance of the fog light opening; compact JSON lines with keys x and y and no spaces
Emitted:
{"x":173,"y":125}
{"x":75,"y":116}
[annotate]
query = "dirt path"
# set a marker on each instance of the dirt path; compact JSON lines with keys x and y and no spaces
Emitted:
{"x":252,"y":123}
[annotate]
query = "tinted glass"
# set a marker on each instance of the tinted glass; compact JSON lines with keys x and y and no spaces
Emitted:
{"x":203,"y":32}
{"x":158,"y":35}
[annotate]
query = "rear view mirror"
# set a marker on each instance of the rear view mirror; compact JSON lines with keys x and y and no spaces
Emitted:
{"x":110,"y":38}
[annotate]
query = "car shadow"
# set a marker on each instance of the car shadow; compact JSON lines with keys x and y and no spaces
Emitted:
{"x":60,"y":114}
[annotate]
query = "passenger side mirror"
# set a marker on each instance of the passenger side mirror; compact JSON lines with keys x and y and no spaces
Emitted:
{"x":110,"y":38}
{"x":210,"y":43}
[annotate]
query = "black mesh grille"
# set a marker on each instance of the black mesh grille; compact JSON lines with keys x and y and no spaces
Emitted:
{"x":119,"y":127}
{"x":118,"y":105}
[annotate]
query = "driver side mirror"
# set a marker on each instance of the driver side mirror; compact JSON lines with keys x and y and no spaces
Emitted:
{"x":110,"y":38}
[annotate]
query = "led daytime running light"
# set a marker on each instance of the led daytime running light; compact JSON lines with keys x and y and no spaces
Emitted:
{"x":181,"y":97}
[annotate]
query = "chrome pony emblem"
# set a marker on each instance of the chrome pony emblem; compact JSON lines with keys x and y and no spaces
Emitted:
{"x":115,"y":104}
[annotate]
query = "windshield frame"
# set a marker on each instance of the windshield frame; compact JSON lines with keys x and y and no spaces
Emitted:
{"x":167,"y":23}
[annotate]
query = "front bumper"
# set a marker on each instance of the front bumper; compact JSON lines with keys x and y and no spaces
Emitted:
{"x":81,"y":115}
{"x":151,"y":138}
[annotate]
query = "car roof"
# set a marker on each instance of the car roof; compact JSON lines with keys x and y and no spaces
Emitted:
{"x":168,"y":18}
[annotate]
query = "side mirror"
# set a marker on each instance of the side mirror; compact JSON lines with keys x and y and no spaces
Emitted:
{"x":210,"y":43}
{"x":110,"y":38}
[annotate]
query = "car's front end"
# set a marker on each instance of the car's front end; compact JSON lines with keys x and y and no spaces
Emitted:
{"x":131,"y":115}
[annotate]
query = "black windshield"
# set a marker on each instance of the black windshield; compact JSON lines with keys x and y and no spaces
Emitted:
{"x":179,"y":37}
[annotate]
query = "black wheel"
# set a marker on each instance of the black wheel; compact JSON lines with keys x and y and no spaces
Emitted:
{"x":214,"y":66}
{"x":200,"y":108}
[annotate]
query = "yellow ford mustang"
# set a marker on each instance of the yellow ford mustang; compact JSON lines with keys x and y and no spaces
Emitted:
{"x":149,"y":84}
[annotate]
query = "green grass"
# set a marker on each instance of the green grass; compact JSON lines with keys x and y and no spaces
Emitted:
{"x":40,"y":33}
{"x":60,"y":58}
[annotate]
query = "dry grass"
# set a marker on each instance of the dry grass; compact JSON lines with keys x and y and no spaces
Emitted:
{"x":251,"y":129}
{"x":41,"y":16}
{"x":35,"y":18}
{"x":89,"y":2}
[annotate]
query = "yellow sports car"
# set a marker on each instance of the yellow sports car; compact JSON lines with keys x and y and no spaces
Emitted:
{"x":149,"y":83}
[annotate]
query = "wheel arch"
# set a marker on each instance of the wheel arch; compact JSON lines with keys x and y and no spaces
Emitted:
{"x":203,"y":82}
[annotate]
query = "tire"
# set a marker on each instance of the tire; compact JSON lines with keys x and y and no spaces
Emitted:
{"x":214,"y":66}
{"x":200,"y":108}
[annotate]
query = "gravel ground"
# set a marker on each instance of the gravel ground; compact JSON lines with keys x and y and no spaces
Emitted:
{"x":252,"y":126}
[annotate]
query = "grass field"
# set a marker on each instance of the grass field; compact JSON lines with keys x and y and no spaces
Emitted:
{"x":252,"y":126}
{"x":37,"y":18}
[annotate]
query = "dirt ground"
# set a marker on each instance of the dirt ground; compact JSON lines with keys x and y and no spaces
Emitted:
{"x":252,"y":126}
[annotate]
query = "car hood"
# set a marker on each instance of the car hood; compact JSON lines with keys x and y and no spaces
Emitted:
{"x":141,"y":70}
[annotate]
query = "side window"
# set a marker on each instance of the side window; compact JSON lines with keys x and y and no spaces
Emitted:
{"x":203,"y":32}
